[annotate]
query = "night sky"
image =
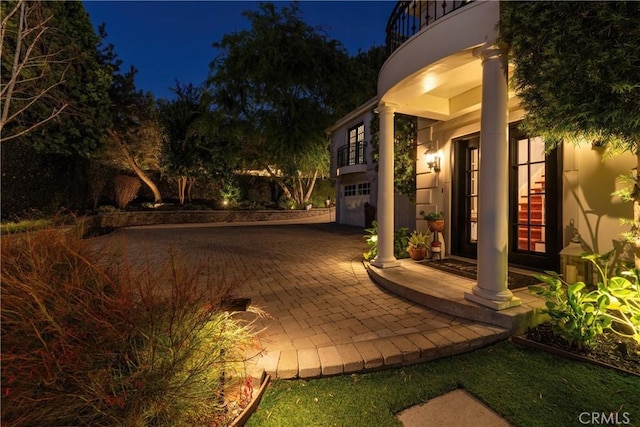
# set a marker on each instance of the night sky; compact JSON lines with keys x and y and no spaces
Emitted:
{"x":169,"y":40}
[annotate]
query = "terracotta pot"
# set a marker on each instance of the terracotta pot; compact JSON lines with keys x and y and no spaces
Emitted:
{"x":436,"y":225}
{"x":436,"y":246}
{"x":418,"y":254}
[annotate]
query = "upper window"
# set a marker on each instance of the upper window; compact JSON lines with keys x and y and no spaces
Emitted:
{"x":352,"y":153}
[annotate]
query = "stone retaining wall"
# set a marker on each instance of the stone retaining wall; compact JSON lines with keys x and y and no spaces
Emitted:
{"x":128,"y":219}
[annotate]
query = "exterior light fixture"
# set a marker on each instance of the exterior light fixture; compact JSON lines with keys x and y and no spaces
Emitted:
{"x":573,"y":266}
{"x":433,"y":159}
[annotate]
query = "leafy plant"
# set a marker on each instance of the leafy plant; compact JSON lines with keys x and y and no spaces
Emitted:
{"x":372,"y":241}
{"x":400,"y":242}
{"x":574,"y":315}
{"x":623,"y":297}
{"x":84,"y":344}
{"x":417,"y":240}
{"x":579,"y":317}
{"x":432,"y":216}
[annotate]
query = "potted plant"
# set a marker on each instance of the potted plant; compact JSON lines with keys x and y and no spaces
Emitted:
{"x":417,"y":246}
{"x":435,"y":221}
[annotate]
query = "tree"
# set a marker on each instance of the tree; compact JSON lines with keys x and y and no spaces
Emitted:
{"x":577,"y":71}
{"x":134,"y":134}
{"x":190,"y":138}
{"x":51,"y":78}
{"x":280,"y":85}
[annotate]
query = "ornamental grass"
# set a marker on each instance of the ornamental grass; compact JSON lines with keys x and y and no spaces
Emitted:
{"x":87,"y":340}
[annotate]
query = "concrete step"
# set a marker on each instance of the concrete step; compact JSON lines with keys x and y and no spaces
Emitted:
{"x":445,"y":292}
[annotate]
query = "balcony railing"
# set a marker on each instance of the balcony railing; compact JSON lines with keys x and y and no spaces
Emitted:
{"x":352,"y":154}
{"x":409,"y":17}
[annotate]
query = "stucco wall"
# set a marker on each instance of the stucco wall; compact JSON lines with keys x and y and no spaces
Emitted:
{"x":588,"y":181}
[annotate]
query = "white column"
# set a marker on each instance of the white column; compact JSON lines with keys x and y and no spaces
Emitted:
{"x":493,"y":192}
{"x":385,"y":218}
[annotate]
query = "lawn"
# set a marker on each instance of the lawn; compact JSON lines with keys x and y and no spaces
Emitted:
{"x":528,"y":387}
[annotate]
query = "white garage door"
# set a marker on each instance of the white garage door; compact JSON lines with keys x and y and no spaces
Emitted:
{"x":353,"y":197}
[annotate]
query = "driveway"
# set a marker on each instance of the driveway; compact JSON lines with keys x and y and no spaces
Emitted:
{"x":327,"y":316}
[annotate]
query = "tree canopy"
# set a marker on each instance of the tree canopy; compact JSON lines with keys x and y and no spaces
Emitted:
{"x":195,"y":143}
{"x":51,"y":78}
{"x":281,"y":84}
{"x":577,"y":69}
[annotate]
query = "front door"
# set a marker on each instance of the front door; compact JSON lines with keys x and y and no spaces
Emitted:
{"x":534,"y":211}
{"x":465,"y":205}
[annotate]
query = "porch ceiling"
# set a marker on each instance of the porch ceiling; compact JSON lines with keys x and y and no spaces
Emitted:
{"x":446,"y":89}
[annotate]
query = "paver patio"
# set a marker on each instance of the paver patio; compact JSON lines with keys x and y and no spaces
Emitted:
{"x":327,"y":316}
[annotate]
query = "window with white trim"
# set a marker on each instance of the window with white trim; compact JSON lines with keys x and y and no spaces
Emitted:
{"x":350,"y":190}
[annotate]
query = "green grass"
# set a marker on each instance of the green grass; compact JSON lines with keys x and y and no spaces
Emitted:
{"x":25,"y":225}
{"x":528,"y":387}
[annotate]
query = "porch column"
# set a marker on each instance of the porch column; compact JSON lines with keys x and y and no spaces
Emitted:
{"x":493,"y":192}
{"x":385,"y":257}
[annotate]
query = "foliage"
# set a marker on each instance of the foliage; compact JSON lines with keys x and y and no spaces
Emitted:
{"x":372,"y":241}
{"x":280,"y":85}
{"x":194,"y":141}
{"x":400,"y":242}
{"x":623,"y":296}
{"x":231,"y":193}
{"x":126,"y":189}
{"x":575,"y":315}
{"x":579,"y":316}
{"x":432,"y":216}
{"x":417,"y":240}
{"x":557,"y":390}
{"x":404,"y":153}
{"x":577,"y":72}
{"x":134,"y":133}
{"x":24,"y":225}
{"x":85,"y":344}
{"x":52,"y":80}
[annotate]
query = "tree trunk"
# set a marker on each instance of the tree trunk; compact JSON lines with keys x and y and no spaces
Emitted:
{"x":190,"y":183}
{"x":134,"y":166}
{"x":280,"y":182}
{"x":182,"y":183}
{"x":312,"y":184}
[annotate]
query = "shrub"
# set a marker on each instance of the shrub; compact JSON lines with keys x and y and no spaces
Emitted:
{"x":574,"y":315}
{"x":126,"y":189}
{"x":84,"y":344}
{"x":580,"y":316}
{"x":400,"y":242}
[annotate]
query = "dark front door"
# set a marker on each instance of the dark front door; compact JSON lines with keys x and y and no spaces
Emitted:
{"x":534,"y":211}
{"x":465,"y":205}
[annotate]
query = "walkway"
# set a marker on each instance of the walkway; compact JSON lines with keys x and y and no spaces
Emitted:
{"x":327,"y":316}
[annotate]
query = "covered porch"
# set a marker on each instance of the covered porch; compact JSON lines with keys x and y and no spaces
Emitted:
{"x":438,"y":290}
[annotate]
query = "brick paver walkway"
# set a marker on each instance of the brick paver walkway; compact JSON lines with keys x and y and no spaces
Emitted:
{"x":327,"y":316}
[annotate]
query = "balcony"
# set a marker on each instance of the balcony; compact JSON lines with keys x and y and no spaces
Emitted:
{"x":351,"y":158}
{"x":409,"y":17}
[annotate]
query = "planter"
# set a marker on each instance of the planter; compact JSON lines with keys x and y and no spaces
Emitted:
{"x":418,"y":254}
{"x":436,"y":246}
{"x":526,"y":342}
{"x":436,"y":225}
{"x":253,"y":405}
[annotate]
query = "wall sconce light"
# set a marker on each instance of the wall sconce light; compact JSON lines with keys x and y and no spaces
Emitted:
{"x":433,"y":160}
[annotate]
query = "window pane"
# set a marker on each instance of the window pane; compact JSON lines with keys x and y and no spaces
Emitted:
{"x":537,"y":150}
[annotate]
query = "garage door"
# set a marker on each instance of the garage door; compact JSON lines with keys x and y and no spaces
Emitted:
{"x":353,"y":198}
